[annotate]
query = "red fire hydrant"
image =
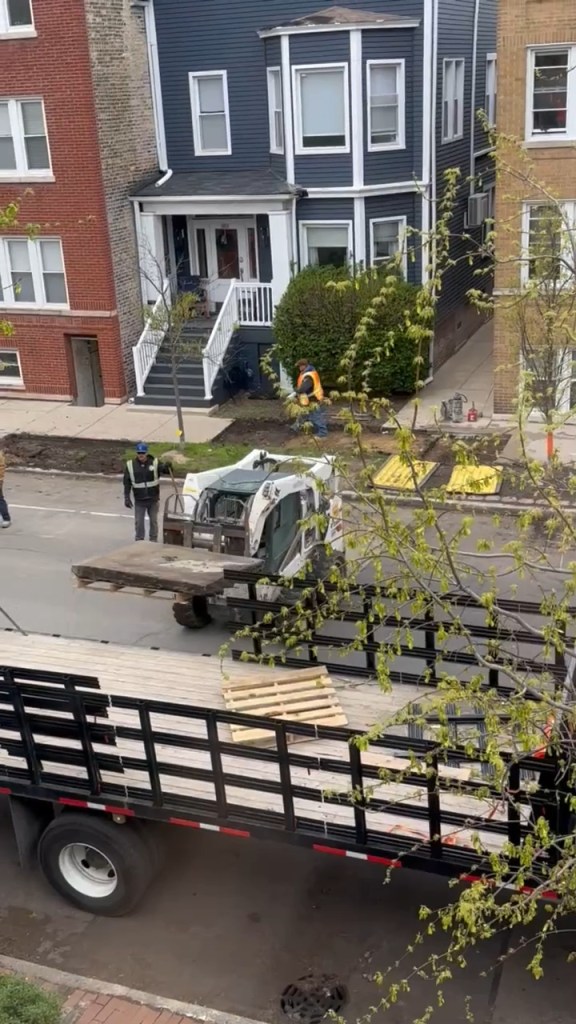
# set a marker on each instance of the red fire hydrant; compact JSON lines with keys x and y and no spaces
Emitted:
{"x":472,"y":414}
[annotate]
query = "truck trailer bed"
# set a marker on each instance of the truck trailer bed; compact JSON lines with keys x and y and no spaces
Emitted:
{"x":255,"y":780}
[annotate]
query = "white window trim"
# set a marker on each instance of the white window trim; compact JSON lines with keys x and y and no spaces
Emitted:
{"x":401,"y":78}
{"x":305,"y":224}
{"x":550,"y":138}
{"x":297,"y":71}
{"x":403,"y":221}
{"x":568,"y":207}
{"x":194,"y":76}
{"x":490,"y":99}
{"x":21,"y":172}
{"x":37,"y":271}
{"x":270,"y":72}
{"x":446,"y":139}
{"x":11,"y":382}
{"x":8,"y":31}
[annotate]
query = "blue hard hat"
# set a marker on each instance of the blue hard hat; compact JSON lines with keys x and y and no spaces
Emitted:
{"x":141,"y":448}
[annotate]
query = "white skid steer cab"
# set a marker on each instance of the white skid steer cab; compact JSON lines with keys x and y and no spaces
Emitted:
{"x":284,"y":512}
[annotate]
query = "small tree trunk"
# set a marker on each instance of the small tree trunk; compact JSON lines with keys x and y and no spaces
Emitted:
{"x":549,"y":442}
{"x":178,"y":403}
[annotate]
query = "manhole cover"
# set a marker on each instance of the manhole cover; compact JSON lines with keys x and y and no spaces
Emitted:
{"x":310,"y":998}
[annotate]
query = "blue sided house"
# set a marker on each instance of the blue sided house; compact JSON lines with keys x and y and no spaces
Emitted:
{"x":292,"y":133}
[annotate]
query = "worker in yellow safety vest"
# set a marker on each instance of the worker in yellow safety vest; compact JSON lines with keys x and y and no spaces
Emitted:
{"x":142,"y":478}
{"x":310,"y":395}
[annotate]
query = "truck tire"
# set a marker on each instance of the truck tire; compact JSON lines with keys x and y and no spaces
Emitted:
{"x":192,"y":614}
{"x":99,"y":866}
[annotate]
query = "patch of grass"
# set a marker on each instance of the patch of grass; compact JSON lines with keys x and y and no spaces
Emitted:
{"x":199,"y":457}
{"x":24,"y":1003}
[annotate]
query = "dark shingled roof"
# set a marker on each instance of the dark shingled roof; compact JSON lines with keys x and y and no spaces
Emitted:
{"x":260,"y":182}
{"x":343,"y":16}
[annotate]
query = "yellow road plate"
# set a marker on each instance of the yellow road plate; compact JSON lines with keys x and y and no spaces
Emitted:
{"x":475,"y":480}
{"x":396,"y":475}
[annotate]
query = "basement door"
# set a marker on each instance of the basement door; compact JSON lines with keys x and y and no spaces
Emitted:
{"x":88,"y":372}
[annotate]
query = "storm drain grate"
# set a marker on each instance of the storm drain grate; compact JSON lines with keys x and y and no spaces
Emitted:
{"x":310,"y":998}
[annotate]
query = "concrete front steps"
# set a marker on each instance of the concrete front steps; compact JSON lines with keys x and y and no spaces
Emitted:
{"x":159,"y":389}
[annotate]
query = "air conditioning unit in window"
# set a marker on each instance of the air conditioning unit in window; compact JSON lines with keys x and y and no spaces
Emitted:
{"x":477,"y":209}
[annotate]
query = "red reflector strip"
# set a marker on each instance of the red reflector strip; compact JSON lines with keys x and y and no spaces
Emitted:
{"x":329,"y":849}
{"x":210,"y":828}
{"x":5,"y":791}
{"x":69,"y":801}
{"x":384,"y":860}
{"x":372,"y":859}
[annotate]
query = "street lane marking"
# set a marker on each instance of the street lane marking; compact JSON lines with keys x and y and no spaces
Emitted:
{"x":72,"y":511}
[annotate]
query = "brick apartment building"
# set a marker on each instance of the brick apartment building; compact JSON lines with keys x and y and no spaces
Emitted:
{"x":537,"y":52}
{"x":77,"y":131}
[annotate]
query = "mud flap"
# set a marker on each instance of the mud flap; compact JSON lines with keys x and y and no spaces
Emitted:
{"x":29,"y":819}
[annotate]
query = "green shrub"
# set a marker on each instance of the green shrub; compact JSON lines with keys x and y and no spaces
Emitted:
{"x":389,"y":346}
{"x":317,"y":319}
{"x":24,"y":1003}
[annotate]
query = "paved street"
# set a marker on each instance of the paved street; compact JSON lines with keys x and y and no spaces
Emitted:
{"x":230,"y":922}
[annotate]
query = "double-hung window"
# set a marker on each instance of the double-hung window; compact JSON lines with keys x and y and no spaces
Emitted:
{"x":453,"y":100}
{"x":387,"y":239}
{"x":32,"y":272}
{"x":210,"y":113}
{"x":549,"y":244}
{"x":24,"y":148}
{"x":321,"y":108}
{"x":551,"y":98}
{"x":386,"y":104}
{"x":491,"y":90}
{"x":325,"y":244}
{"x":275,"y":110}
{"x":16,"y":17}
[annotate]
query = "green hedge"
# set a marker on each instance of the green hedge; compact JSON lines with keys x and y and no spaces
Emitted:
{"x":317,"y":319}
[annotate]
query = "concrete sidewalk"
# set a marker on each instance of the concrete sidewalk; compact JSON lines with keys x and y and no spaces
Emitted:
{"x":106,"y":423}
{"x":469,"y":371}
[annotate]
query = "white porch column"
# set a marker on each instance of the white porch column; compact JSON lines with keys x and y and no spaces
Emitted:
{"x":281,"y":257}
{"x":151,"y":255}
{"x":280,"y":251}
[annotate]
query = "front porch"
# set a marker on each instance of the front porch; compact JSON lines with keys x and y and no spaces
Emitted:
{"x":234,"y":251}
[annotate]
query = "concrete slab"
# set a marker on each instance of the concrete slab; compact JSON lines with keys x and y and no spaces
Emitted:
{"x":535,"y":441}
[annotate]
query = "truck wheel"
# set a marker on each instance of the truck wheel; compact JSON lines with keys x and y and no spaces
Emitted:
{"x":192,"y":614}
{"x":99,"y":866}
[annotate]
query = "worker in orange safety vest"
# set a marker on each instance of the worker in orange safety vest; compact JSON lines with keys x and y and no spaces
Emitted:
{"x":310,"y":395}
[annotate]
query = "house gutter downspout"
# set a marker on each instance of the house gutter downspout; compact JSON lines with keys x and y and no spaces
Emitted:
{"x":473,"y":97}
{"x":155,"y":80}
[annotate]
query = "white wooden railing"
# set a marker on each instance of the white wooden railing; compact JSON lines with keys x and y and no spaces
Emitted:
{"x":255,"y":305}
{"x":244,"y":304}
{"x":149,"y":342}
{"x":222,"y":333}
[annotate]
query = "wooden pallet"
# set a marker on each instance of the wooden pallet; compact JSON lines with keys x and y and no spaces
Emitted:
{"x":124,"y":588}
{"x":306,"y":695}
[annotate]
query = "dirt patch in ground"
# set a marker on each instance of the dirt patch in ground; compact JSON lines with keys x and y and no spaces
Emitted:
{"x":72,"y":454}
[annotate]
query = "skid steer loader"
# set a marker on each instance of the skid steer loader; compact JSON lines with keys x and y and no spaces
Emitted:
{"x":274,"y":513}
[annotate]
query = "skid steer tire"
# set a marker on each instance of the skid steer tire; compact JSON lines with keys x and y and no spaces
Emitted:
{"x":192,"y":614}
{"x":95,"y":864}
